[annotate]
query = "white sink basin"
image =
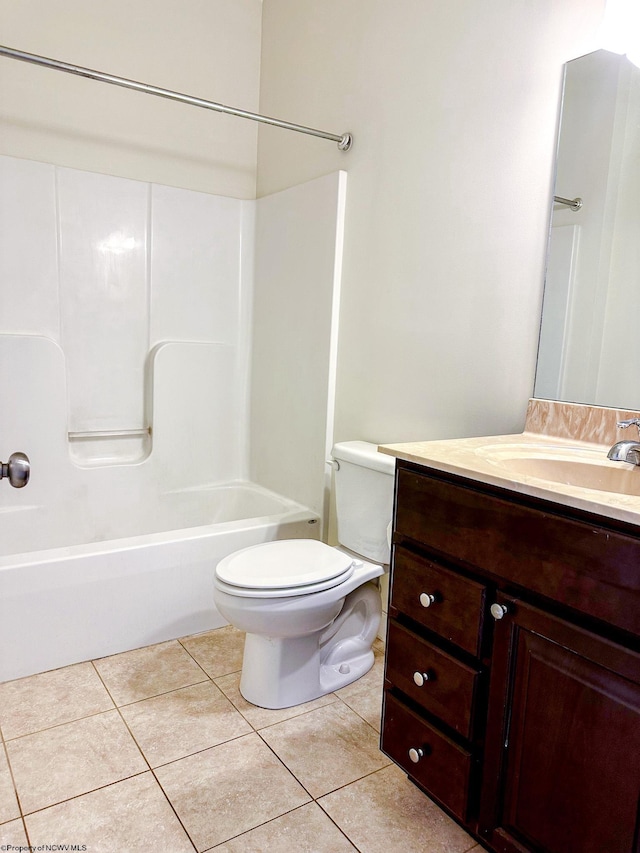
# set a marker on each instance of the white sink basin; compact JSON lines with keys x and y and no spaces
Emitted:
{"x":573,"y":466}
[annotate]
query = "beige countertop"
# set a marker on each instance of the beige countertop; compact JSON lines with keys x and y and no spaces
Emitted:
{"x":514,"y":462}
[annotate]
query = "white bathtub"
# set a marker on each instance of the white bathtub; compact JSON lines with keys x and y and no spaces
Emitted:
{"x":64,"y":604}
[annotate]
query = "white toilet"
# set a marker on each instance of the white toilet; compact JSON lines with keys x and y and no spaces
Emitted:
{"x":310,"y":611}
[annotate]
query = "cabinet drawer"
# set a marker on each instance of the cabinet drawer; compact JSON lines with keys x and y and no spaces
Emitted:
{"x":442,"y":768}
{"x":441,"y":684}
{"x":585,"y":565}
{"x":444,"y":602}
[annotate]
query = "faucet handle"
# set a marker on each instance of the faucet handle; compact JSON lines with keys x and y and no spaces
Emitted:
{"x":628,"y":423}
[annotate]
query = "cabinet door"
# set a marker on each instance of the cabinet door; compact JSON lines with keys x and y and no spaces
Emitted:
{"x":562,"y":762}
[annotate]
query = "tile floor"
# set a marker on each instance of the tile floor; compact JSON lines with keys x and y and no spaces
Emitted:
{"x":156,"y":750}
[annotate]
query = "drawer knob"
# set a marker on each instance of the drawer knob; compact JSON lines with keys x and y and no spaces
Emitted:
{"x":416,"y":754}
{"x":499,"y":611}
{"x":420,"y":677}
{"x":427,"y":599}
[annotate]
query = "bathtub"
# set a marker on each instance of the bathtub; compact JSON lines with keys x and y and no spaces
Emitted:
{"x":61,"y":604}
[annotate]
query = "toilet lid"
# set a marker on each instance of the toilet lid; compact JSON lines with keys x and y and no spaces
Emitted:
{"x":285,"y":564}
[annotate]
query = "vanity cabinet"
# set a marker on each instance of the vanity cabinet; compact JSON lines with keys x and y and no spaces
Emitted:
{"x":512,"y":678}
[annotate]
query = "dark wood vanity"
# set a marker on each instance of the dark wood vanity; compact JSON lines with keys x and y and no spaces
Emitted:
{"x":512,"y":679}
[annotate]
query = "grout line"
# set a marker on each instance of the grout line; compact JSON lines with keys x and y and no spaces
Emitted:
{"x":274,"y":819}
{"x":63,"y":723}
{"x":13,"y":780}
{"x":200,"y":751}
{"x":192,"y":656}
{"x":288,"y":769}
{"x":292,"y":717}
{"x":167,"y":693}
{"x":26,"y":831}
{"x":163,"y":693}
{"x":144,"y":757}
{"x":337,"y":826}
{"x":173,"y":809}
{"x":353,"y":781}
{"x":358,"y":714}
{"x":83,"y":794}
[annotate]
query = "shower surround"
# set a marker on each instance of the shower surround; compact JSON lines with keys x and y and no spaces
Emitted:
{"x":126,"y":316}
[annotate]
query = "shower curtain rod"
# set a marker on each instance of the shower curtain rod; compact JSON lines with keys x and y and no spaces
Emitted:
{"x":344,"y":140}
{"x":573,"y":203}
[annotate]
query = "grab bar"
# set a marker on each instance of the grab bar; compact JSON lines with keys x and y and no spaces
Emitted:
{"x":109,"y":433}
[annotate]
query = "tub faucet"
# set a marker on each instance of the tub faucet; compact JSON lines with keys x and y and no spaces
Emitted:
{"x":626,"y":451}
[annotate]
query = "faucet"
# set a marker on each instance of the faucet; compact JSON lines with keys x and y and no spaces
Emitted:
{"x":626,"y":451}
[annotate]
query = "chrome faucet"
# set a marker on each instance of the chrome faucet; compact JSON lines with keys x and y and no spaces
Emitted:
{"x":626,"y":451}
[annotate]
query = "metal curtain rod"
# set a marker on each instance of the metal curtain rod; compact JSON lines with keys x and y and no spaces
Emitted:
{"x":344,"y":140}
{"x":573,"y":203}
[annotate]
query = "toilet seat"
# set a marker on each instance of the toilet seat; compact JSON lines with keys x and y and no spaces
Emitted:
{"x":283,"y":568}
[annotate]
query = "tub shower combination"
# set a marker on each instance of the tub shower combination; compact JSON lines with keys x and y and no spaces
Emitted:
{"x":125,"y":349}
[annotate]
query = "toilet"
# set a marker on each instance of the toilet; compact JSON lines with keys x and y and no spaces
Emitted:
{"x":311,"y":612}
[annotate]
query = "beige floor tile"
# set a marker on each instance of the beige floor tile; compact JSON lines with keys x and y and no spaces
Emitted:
{"x":9,"y":808}
{"x":218,"y":652}
{"x":364,"y":696}
{"x":327,"y":748}
{"x":142,"y":673}
{"x":385,"y":813}
{"x":132,"y":816}
{"x":305,"y":830}
{"x":261,"y":717}
{"x":13,"y":836}
{"x":182,"y":722}
{"x":51,"y":698}
{"x":72,"y":759}
{"x":229,"y":789}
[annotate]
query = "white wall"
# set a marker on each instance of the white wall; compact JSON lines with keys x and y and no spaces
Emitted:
{"x":205,"y":48}
{"x":454,"y":108}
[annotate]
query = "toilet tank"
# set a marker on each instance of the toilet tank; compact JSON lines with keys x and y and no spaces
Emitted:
{"x":364,"y":498}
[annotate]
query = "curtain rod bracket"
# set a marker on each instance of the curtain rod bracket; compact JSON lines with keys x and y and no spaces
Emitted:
{"x":573,"y":203}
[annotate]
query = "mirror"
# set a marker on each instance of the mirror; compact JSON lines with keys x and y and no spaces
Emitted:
{"x":589,"y":349}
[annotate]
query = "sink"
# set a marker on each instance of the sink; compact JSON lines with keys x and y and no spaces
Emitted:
{"x":584,"y":468}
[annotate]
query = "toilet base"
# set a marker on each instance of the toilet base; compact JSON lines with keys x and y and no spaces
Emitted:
{"x":282,"y":672}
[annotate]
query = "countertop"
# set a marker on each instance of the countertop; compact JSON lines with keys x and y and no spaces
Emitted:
{"x":483,"y":459}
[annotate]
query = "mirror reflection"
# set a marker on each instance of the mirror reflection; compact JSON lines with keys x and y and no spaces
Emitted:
{"x":589,"y":348}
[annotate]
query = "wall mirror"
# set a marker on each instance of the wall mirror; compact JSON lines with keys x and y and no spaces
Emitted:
{"x":589,"y":349}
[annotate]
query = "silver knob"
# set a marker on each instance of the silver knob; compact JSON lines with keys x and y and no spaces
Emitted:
{"x":498,"y":611}
{"x":420,"y":678}
{"x":427,"y":599}
{"x":416,"y":754}
{"x":17,"y":469}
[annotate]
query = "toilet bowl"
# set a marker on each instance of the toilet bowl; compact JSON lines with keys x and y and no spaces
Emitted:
{"x":310,"y":613}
